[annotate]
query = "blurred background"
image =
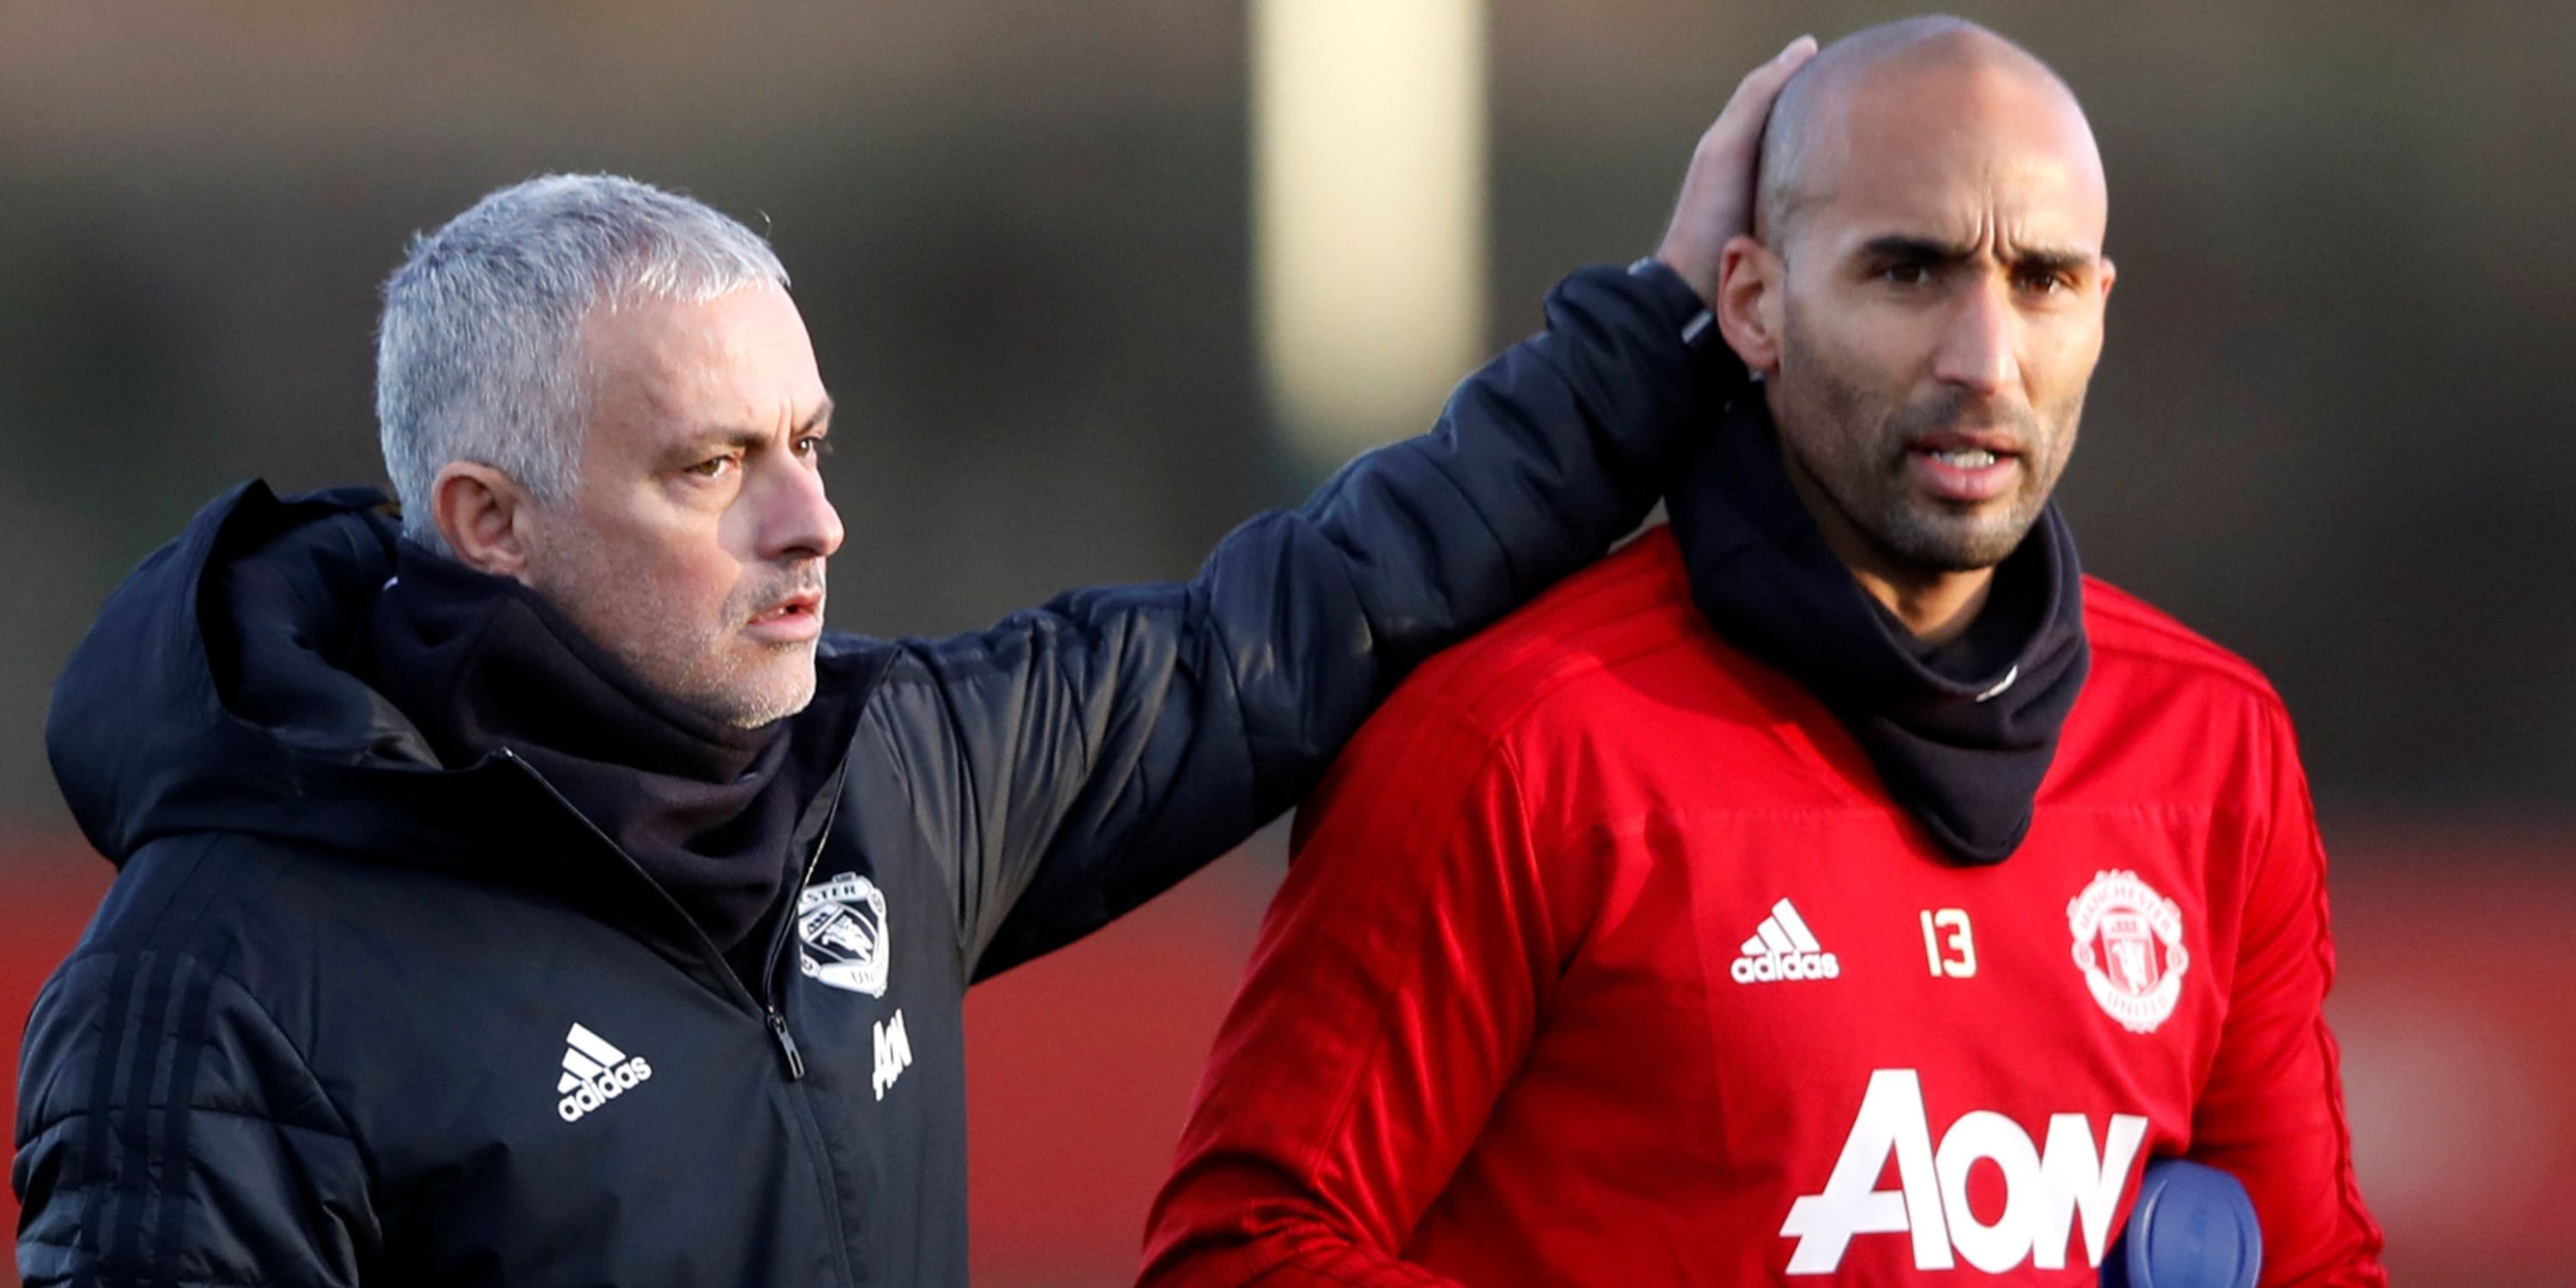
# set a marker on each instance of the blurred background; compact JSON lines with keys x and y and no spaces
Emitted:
{"x":1093,"y":282}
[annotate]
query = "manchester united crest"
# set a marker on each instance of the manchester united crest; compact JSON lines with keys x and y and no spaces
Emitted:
{"x":843,"y":925}
{"x":2128,"y":943}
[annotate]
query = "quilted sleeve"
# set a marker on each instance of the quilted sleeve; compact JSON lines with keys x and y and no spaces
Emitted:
{"x":168,"y":1134}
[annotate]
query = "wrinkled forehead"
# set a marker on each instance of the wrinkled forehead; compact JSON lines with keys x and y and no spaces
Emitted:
{"x":1963,"y":153}
{"x":674,"y":367}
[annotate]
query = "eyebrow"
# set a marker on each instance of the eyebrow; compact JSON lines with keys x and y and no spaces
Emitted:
{"x":750,"y":436}
{"x":746,"y":437}
{"x":1924,"y":250}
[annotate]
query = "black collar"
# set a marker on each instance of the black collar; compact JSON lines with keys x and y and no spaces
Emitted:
{"x":1962,"y":734}
{"x":483,"y":665}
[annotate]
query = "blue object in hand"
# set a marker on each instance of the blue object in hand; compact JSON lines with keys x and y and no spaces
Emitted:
{"x":2192,"y":1227}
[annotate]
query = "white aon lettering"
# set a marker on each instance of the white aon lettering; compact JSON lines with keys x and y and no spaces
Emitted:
{"x":894,"y":1053}
{"x":2044,"y":1188}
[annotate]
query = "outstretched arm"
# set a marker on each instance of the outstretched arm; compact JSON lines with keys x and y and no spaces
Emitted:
{"x":1076,"y":760}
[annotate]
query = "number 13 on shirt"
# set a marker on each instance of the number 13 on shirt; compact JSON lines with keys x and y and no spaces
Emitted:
{"x":1949,"y":944}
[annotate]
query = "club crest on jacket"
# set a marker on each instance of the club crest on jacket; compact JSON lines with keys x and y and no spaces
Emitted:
{"x":2128,"y":943}
{"x":842,"y":923}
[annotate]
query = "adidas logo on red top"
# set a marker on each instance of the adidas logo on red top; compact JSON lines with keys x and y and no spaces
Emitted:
{"x":1782,"y":948}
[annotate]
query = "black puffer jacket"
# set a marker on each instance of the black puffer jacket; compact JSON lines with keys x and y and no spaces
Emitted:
{"x":349,"y":1017}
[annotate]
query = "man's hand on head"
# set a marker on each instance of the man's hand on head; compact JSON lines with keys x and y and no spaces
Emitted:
{"x":1717,"y":194}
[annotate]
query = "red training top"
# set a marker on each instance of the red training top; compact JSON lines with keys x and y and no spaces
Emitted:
{"x":1606,"y":960}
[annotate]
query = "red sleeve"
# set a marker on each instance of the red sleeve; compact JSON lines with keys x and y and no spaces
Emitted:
{"x":1392,"y":995}
{"x":2272,"y":1112}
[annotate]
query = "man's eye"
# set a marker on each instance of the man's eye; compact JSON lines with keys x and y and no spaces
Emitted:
{"x":1906,"y":274}
{"x":712,"y":468}
{"x":814,"y":445}
{"x":2044,"y":282}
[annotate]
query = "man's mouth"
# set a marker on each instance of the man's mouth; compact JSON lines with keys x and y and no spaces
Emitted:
{"x":1965,"y":467}
{"x":795,"y":617}
{"x":1966,"y":446}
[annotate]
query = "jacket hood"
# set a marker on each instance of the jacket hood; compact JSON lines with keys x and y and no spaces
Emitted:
{"x":221,"y":690}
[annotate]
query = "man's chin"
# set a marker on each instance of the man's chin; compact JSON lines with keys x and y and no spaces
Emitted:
{"x":1951,"y":548}
{"x":765,"y":694}
{"x":777,"y":705}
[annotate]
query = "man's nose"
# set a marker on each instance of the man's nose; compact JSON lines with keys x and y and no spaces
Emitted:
{"x":1980,"y":342}
{"x":797,"y":519}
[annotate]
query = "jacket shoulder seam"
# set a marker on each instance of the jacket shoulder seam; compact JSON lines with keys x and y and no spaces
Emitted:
{"x":2182,"y":646}
{"x":60,"y":1121}
{"x":1463,"y":707}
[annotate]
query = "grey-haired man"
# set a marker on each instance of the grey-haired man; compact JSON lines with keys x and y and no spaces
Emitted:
{"x":532,"y":892}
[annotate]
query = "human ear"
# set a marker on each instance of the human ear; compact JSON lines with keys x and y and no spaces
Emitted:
{"x":1749,"y":282}
{"x":483,"y":514}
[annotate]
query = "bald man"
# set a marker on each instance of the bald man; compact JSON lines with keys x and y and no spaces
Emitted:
{"x":1836,"y":884}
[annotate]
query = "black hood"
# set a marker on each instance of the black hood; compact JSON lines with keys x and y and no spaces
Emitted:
{"x":1962,"y":734}
{"x":220,"y":690}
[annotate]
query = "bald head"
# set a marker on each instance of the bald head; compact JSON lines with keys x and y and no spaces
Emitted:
{"x":1923,"y":295}
{"x":1884,"y":88}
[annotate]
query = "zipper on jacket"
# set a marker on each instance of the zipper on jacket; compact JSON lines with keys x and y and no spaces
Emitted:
{"x":786,"y":1044}
{"x":778,"y":942}
{"x":771,"y":1015}
{"x":707,"y":947}
{"x":768,"y":1004}
{"x":813,"y":862}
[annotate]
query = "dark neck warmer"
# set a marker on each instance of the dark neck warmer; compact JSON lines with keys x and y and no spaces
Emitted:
{"x":482,"y":664}
{"x":1961,"y":734}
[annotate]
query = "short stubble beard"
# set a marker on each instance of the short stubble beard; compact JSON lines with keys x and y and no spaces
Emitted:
{"x":1864,"y":475}
{"x":776,"y":682}
{"x":701,"y":671}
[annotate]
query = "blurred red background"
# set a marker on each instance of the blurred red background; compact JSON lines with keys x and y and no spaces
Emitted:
{"x":2456,"y":1006}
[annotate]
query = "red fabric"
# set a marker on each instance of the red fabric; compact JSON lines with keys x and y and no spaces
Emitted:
{"x":1493,"y":1032}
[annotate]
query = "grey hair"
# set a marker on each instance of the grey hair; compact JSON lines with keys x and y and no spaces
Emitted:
{"x":478,"y":354}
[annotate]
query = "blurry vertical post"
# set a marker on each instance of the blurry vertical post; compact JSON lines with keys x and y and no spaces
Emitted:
{"x":1368,"y":142}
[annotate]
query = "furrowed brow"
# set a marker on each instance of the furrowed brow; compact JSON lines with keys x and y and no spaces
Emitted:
{"x":1903,"y":248}
{"x":820,"y":421}
{"x":2053,"y":259}
{"x":746,"y":438}
{"x":715,"y":438}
